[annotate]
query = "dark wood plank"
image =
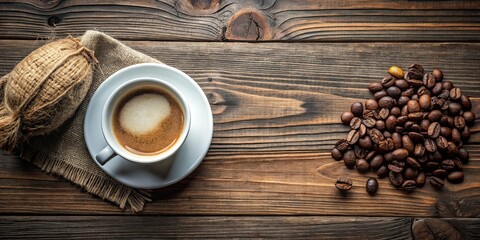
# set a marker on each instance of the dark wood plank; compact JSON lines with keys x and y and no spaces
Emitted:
{"x":308,"y":227}
{"x":276,"y":111}
{"x":216,"y":20}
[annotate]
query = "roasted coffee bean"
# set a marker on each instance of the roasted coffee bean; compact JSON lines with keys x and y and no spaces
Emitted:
{"x":400,"y":154}
{"x":434,"y":130}
{"x":445,"y":132}
{"x":362,"y":165}
{"x":418,"y":68}
{"x":408,"y":93}
{"x":391,"y":145}
{"x":383,"y":146}
{"x":408,"y":125}
{"x":395,"y":111}
{"x":402,"y":101}
{"x":419,"y":150}
{"x":436,"y":182}
{"x":359,"y":151}
{"x":355,"y":123}
{"x":424,"y":124}
{"x":429,"y":80}
{"x":432,"y":166}
{"x":346,"y":117}
{"x":380,"y":94}
{"x":382,"y":172}
{"x":441,"y":142}
{"x":402,"y":120}
{"x":458,"y":164}
{"x":413,"y":106}
{"x":395,"y":178}
{"x":447,"y":121}
{"x":463,"y":155}
{"x":344,"y":184}
{"x":445,"y":94}
{"x":353,"y":137}
{"x":394,"y":92}
{"x":415,"y":136}
{"x":459,"y":122}
{"x":413,"y":163}
{"x":380,"y":125}
{"x":401,"y":84}
{"x":357,"y":109}
{"x":371,"y":104}
{"x":387,"y":134}
{"x":369,"y":122}
{"x":336,"y":154}
{"x":437,"y":89}
{"x":375,"y":87}
{"x":416,"y":116}
{"x":452,"y":148}
{"x":438,"y":74}
{"x":408,"y":144}
{"x":430,"y":145}
{"x":423,"y":91}
{"x":434,"y":116}
{"x":362,"y":130}
{"x":386,"y":102}
{"x":377,"y":162}
{"x":424,"y":102}
{"x":397,"y":140}
{"x":466,"y":103}
{"x":466,"y":133}
{"x":388,"y":81}
{"x":469,"y":117}
{"x":349,"y":158}
{"x":420,"y":180}
{"x":376,"y":136}
{"x":365,"y":142}
{"x":415,"y":83}
{"x":383,"y":113}
{"x":448,"y":164}
{"x":372,"y":185}
{"x":435,"y":156}
{"x":388,"y":156}
{"x":454,"y":108}
{"x":455,"y":177}
{"x":409,"y":185}
{"x":404,"y":111}
{"x":369,"y":113}
{"x":411,"y":173}
{"x":440,"y":173}
{"x":455,"y":93}
{"x":391,"y":123}
{"x":396,"y":166}
{"x":447,"y":85}
{"x":415,"y":128}
{"x":456,"y":135}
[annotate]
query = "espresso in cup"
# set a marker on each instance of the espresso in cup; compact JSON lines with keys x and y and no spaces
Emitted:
{"x":147,"y":121}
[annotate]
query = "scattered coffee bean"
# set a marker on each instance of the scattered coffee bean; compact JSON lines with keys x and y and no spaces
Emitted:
{"x":455,"y":93}
{"x":336,"y":154}
{"x":434,"y":130}
{"x":349,"y":158}
{"x":455,"y":177}
{"x":344,"y":184}
{"x":357,"y":109}
{"x":447,"y":85}
{"x":400,"y":154}
{"x":347,"y":117}
{"x":375,"y":87}
{"x":440,"y":173}
{"x":436,"y":182}
{"x":382,"y":172}
{"x":469,"y":117}
{"x":371,"y":104}
{"x":372,"y":185}
{"x":353,"y":137}
{"x":369,"y":122}
{"x":388,"y":81}
{"x":465,"y":102}
{"x":438,"y":74}
{"x":409,"y":185}
{"x":355,"y":123}
{"x":362,"y":165}
{"x":441,"y":142}
{"x":386,"y":102}
{"x":420,"y":180}
{"x":395,"y":178}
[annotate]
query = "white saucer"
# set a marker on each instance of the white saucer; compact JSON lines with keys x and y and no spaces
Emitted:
{"x":166,"y":172}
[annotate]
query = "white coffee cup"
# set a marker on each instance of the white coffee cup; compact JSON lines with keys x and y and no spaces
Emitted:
{"x":114,"y":147}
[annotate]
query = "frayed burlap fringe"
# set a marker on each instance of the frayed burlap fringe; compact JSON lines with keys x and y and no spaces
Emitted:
{"x":106,"y":189}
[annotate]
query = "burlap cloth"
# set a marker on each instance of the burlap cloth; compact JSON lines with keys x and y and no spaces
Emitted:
{"x":64,"y":152}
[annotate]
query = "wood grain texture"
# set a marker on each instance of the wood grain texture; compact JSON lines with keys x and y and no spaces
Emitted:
{"x":250,"y":20}
{"x":276,"y":112}
{"x":305,"y":227}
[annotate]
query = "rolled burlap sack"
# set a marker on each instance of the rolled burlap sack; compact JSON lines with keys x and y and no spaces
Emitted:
{"x":43,"y":90}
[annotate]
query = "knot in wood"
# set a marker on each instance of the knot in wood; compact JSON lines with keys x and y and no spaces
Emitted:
{"x":204,"y":4}
{"x":248,"y":25}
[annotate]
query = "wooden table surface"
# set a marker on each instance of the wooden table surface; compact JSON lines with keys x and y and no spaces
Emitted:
{"x":277,"y":75}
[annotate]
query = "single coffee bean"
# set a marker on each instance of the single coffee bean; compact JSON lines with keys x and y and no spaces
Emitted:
{"x":408,"y":93}
{"x":336,"y":154}
{"x":448,"y":164}
{"x":397,"y":140}
{"x":362,"y":130}
{"x":424,"y":102}
{"x":423,"y":91}
{"x":342,"y":145}
{"x":386,"y":102}
{"x":458,"y":164}
{"x":445,"y":132}
{"x":344,"y":184}
{"x":400,"y":154}
{"x":411,"y":173}
{"x":424,"y":124}
{"x":447,"y":121}
{"x":395,"y":178}
{"x":346,"y":117}
{"x":452,"y":148}
{"x":430,"y":145}
{"x":401,"y":84}
{"x":365,"y":142}
{"x":463,"y":155}
{"x":409,"y":185}
{"x":438,"y":74}
{"x":408,"y":125}
{"x":429,"y":80}
{"x":415,"y":128}
{"x":436,"y":182}
{"x":395,"y":111}
{"x":454,"y":108}
{"x":349,"y":159}
{"x":466,"y":133}
{"x":372,"y":185}
{"x":396,"y":166}
{"x":391,"y":145}
{"x":413,"y":106}
{"x":383,"y":146}
{"x":441,"y":142}
{"x":391,"y":123}
{"x":434,"y":116}
{"x":416,"y":116}
{"x":419,"y":150}
{"x":440,"y":173}
{"x":415,"y":136}
{"x":404,"y":111}
{"x":466,"y":103}
{"x":359,"y":151}
{"x":459,"y":122}
{"x":388,"y":81}
{"x":455,"y":177}
{"x":362,"y":165}
{"x":469,"y":117}
{"x":402,"y":120}
{"x":434,"y":130}
{"x":456,"y":135}
{"x":413,"y":163}
{"x":387,"y":134}
{"x":355,"y":123}
{"x":394,"y":92}
{"x":383,"y":113}
{"x":445,"y":94}
{"x":396,"y":71}
{"x":380,"y":94}
{"x":455,"y":93}
{"x":418,"y":68}
{"x":382,"y":172}
{"x":375,"y":87}
{"x":369,"y":122}
{"x":447,"y":85}
{"x":371,"y":104}
{"x":388,"y":157}
{"x":376,"y":136}
{"x":415,"y":83}
{"x":353,"y":137}
{"x":380,"y":125}
{"x":437,"y":89}
{"x":420,"y":180}
{"x":408,"y":144}
{"x":377,"y":162}
{"x":357,"y":109}
{"x":402,"y":101}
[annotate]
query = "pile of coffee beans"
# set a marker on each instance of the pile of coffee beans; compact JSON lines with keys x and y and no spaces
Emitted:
{"x":411,"y":131}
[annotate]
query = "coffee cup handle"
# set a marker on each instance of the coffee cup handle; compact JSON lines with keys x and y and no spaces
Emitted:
{"x":105,"y":155}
